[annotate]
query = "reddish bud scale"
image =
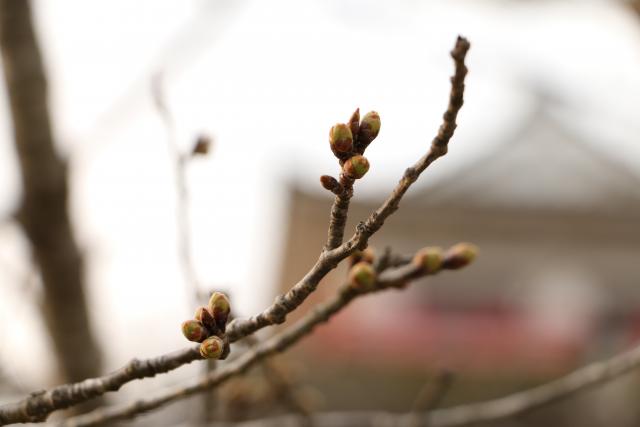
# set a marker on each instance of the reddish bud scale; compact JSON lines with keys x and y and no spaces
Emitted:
{"x":429,"y":259}
{"x":362,"y":276}
{"x":356,"y":167}
{"x":204,"y":316}
{"x":354,"y":124}
{"x":194,"y":331}
{"x":460,"y":255}
{"x":212,"y":348}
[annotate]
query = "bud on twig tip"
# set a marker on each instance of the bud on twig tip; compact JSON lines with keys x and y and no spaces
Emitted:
{"x":460,"y":255}
{"x":202,"y":146}
{"x":369,"y":129}
{"x":429,"y":260}
{"x":220,"y":307}
{"x":341,"y":139}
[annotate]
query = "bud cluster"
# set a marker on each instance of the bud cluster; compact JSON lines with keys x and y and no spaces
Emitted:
{"x":208,"y":327}
{"x":348,"y":141}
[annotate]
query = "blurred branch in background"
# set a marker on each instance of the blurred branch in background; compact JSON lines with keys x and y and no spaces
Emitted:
{"x":635,"y":5}
{"x":180,"y":161}
{"x":43,"y":212}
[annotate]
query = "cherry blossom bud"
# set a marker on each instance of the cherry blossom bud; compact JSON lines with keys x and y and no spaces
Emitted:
{"x":212,"y":348}
{"x":220,"y":308}
{"x":460,"y":255}
{"x":362,"y":276}
{"x":429,"y":259}
{"x":356,"y":167}
{"x":194,"y":331}
{"x":202,"y":146}
{"x":369,"y":129}
{"x":341,"y":140}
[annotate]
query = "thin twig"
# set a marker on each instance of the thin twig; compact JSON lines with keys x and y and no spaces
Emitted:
{"x":278,"y":343}
{"x":40,"y":405}
{"x":339,"y":211}
{"x":180,"y":162}
{"x":182,"y":194}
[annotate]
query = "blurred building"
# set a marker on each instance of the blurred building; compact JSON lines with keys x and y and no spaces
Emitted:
{"x":555,"y":217}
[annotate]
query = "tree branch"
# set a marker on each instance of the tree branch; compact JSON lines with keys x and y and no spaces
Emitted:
{"x":37,"y":407}
{"x":278,"y":343}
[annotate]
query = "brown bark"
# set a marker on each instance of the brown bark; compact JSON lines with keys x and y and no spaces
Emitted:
{"x":43,"y":211}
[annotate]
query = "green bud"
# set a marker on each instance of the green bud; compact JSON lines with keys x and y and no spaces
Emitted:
{"x":356,"y":167}
{"x":194,"y":330}
{"x":460,"y":255}
{"x":204,"y":316}
{"x":212,"y":348}
{"x":341,"y":139}
{"x":369,"y":129}
{"x":429,"y":259}
{"x":362,"y":276}
{"x":220,"y":307}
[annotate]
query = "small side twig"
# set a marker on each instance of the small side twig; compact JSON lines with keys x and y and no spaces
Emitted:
{"x":182,"y":194}
{"x":339,"y":210}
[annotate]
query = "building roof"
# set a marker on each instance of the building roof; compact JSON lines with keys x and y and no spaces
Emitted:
{"x":544,"y":164}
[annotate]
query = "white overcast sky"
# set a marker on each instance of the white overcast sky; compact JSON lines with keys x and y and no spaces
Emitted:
{"x":267,"y":79}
